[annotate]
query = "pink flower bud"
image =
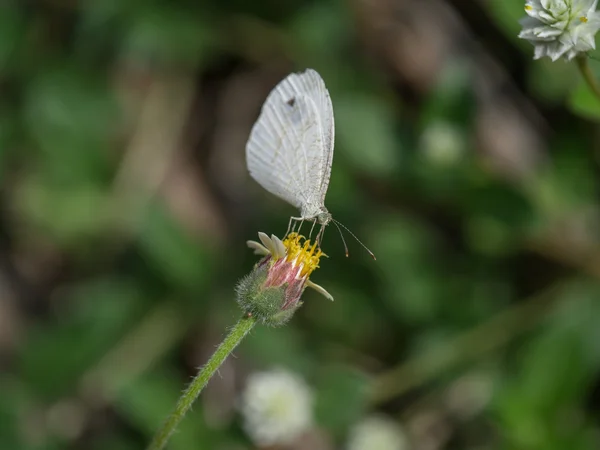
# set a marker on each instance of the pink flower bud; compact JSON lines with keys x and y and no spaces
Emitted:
{"x":272,"y":291}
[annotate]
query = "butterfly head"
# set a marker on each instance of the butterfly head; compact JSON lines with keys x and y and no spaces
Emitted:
{"x":324,"y":216}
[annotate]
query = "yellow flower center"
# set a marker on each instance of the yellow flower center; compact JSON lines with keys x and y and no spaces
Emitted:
{"x":583,"y":19}
{"x":528,"y":7}
{"x":301,"y":251}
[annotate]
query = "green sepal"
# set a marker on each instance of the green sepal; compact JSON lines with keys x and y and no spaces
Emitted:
{"x":264,"y":303}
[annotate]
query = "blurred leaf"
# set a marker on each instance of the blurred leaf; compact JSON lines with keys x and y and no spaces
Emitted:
{"x":145,"y":31}
{"x":452,"y":99}
{"x":70,"y":214}
{"x":148,"y":402}
{"x":180,"y":258}
{"x":169,"y":35}
{"x":476,"y":284}
{"x":341,"y":398}
{"x":556,"y":369}
{"x":578,"y":313}
{"x":8,"y":128}
{"x":278,"y":347}
{"x":442,"y":164}
{"x":404,"y":247}
{"x":568,"y":182}
{"x":365,"y":130}
{"x":113,"y":8}
{"x":507,"y":14}
{"x":317,"y":23}
{"x":344,"y":197}
{"x":72,"y":117}
{"x":11,"y":33}
{"x":96,"y":313}
{"x":551,"y":81}
{"x":490,"y":236}
{"x":497,"y":217}
{"x":114,"y":442}
{"x":356,"y":308}
{"x":584,"y":102}
{"x":15,"y":400}
{"x":500,"y":202}
{"x":96,"y":15}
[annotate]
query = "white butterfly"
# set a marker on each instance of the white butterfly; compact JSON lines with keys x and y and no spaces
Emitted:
{"x":290,"y":149}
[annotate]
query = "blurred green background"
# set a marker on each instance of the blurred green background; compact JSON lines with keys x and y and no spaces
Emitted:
{"x":470,"y":170}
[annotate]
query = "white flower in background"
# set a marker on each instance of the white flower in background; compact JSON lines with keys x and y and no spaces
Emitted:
{"x":377,"y":433}
{"x":560,"y":27}
{"x":442,"y":143}
{"x":276,"y":407}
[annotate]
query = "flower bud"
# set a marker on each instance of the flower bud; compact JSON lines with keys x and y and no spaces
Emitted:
{"x":272,"y":291}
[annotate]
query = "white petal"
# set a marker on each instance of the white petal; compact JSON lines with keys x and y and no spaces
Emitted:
{"x":546,"y":17}
{"x":570,"y":54}
{"x":539,"y":52}
{"x":594,"y":20}
{"x":588,"y":5}
{"x":280,"y":250}
{"x":258,"y":248}
{"x":321,"y":290}
{"x":266,"y":240}
{"x":549,"y":32}
{"x":529,"y":22}
{"x":533,"y":12}
{"x":558,"y":50}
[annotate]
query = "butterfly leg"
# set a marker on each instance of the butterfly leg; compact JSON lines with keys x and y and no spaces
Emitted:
{"x":292,"y":228}
{"x":320,"y":234}
{"x":289,"y":227}
{"x":312,"y":228}
{"x":300,"y":226}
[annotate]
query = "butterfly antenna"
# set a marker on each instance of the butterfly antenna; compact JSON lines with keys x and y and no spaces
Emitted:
{"x":338,"y":225}
{"x":342,"y":236}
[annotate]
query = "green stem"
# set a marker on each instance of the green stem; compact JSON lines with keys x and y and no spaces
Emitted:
{"x":588,"y":75}
{"x":237,"y":333}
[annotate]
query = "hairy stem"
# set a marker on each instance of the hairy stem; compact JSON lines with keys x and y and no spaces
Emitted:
{"x":237,"y":333}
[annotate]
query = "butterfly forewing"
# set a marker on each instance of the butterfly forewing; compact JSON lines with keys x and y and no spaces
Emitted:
{"x":311,"y":84}
{"x":290,"y":148}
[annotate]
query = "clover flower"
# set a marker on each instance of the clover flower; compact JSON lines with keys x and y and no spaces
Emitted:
{"x":272,"y":291}
{"x":276,"y":407}
{"x":377,"y":433}
{"x":560,"y":28}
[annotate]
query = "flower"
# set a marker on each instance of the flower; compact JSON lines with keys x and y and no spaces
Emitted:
{"x":272,"y":291}
{"x":560,"y":27}
{"x":377,"y":433}
{"x":276,"y":407}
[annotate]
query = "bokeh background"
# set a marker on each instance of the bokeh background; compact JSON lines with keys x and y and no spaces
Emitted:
{"x":470,"y":170}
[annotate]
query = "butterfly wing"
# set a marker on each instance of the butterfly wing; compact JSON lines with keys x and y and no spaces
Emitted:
{"x":311,"y":84}
{"x":290,"y":148}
